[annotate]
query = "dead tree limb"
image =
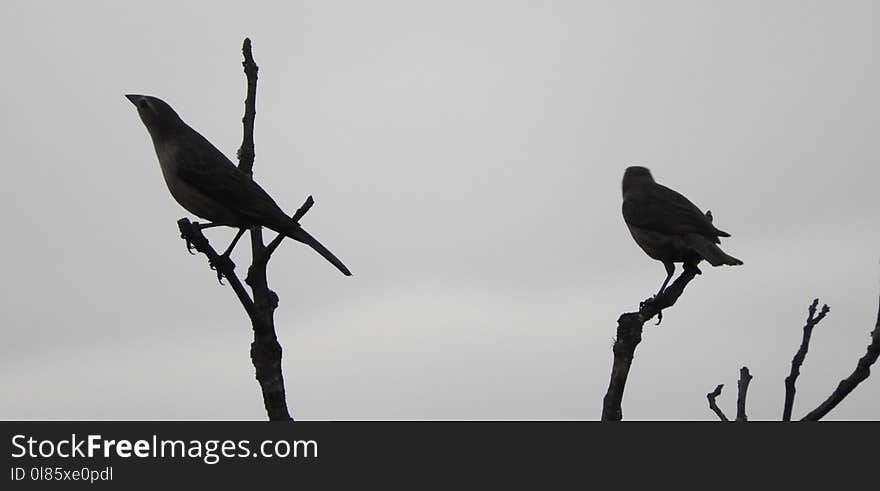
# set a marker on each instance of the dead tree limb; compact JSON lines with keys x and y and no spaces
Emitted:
{"x":847,"y":385}
{"x":246,"y":153}
{"x":742,"y":390}
{"x":798,"y":360}
{"x":712,"y":396}
{"x":265,"y":350}
{"x":629,"y":335}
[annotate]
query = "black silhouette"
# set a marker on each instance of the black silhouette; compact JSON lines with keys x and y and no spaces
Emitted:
{"x":207,"y":184}
{"x":667,"y":226}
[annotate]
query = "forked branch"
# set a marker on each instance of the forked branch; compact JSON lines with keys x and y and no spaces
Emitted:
{"x":629,"y":335}
{"x":798,"y":360}
{"x":265,"y":350}
{"x":712,"y":396}
{"x":847,"y":385}
{"x":844,"y":388}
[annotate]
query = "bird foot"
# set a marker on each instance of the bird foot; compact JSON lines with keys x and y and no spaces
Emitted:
{"x":189,"y":245}
{"x":223,"y":263}
{"x":650,"y":301}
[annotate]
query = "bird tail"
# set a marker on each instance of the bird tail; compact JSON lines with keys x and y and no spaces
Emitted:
{"x":717,"y":257}
{"x":709,"y":250}
{"x":295,"y":232}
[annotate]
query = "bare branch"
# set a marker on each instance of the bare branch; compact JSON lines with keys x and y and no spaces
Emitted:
{"x":713,"y":406}
{"x":742,"y":389}
{"x":847,"y":385}
{"x":629,"y":335}
{"x":195,"y":238}
{"x":267,"y":253}
{"x":798,"y":360}
{"x":265,"y":350}
{"x":246,"y":151}
{"x":301,"y":212}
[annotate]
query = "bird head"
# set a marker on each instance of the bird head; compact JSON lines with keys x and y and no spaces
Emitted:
{"x":157,"y":115}
{"x":636,"y":175}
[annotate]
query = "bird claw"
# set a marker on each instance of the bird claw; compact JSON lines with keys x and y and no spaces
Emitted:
{"x":224,"y":262}
{"x":650,"y":301}
{"x":189,"y":245}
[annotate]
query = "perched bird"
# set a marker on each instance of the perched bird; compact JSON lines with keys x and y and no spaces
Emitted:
{"x":209,"y":185}
{"x":667,"y":226}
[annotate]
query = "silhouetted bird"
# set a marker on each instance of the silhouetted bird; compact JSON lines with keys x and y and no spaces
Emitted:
{"x":209,"y":185}
{"x":667,"y":226}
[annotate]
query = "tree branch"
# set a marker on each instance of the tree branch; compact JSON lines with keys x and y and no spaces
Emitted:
{"x":225,"y":268}
{"x":267,"y":253}
{"x":742,"y":389}
{"x":246,"y":153}
{"x":713,"y":406}
{"x":798,"y":360}
{"x":847,"y":385}
{"x":629,"y":335}
{"x":266,"y":352}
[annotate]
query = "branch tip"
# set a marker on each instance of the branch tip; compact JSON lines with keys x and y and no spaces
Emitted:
{"x":742,"y":389}
{"x":712,"y":396}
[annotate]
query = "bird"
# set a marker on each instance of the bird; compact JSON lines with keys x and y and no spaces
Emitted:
{"x":206,"y":183}
{"x":668,"y":227}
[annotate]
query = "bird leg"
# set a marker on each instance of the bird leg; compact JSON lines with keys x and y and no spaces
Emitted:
{"x":670,"y":270}
{"x":224,"y":261}
{"x":234,"y":241}
{"x":693,"y":265}
{"x":203,"y":226}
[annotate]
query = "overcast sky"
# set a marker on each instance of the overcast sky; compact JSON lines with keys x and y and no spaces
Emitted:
{"x":465,"y":158}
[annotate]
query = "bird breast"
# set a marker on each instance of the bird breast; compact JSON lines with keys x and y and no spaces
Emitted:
{"x":186,"y":195}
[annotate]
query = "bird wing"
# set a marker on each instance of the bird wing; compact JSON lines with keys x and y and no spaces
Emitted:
{"x":206,"y":169}
{"x":663,"y":210}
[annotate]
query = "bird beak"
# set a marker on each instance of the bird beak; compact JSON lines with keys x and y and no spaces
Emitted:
{"x":134,"y":98}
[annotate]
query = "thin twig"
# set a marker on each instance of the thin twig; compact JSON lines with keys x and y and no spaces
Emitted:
{"x":847,"y":385}
{"x":301,"y":212}
{"x":267,"y":253}
{"x":798,"y":360}
{"x":246,"y":153}
{"x":713,"y":406}
{"x":629,"y":335}
{"x":742,"y":389}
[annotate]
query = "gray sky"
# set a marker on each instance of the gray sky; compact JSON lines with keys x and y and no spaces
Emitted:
{"x":466,"y":161}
